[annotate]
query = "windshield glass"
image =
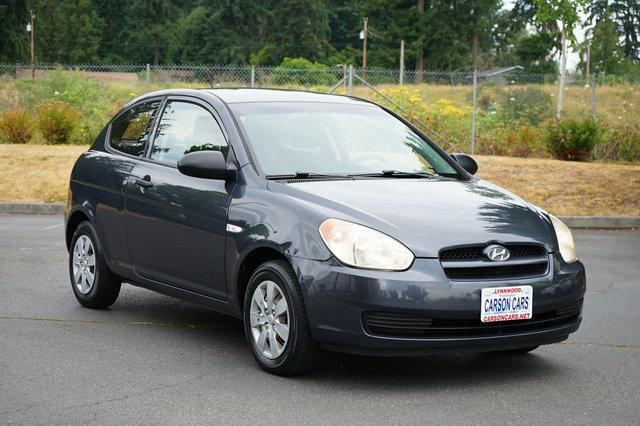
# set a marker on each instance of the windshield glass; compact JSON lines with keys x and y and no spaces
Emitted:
{"x":327,"y":138}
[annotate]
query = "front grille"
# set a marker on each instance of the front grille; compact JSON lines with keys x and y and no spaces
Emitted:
{"x":497,"y":272}
{"x":461,"y":253}
{"x":405,"y":325}
{"x":468,"y":263}
{"x":520,"y":251}
{"x":475,"y":252}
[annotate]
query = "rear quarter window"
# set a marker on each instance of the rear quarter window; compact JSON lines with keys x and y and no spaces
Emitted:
{"x":131,"y":131}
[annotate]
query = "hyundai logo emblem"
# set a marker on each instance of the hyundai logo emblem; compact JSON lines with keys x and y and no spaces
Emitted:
{"x":497,"y":253}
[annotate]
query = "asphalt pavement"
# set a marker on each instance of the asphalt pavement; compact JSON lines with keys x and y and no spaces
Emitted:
{"x":156,"y":360}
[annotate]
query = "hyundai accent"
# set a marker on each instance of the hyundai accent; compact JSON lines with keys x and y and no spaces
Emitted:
{"x":323,"y":222}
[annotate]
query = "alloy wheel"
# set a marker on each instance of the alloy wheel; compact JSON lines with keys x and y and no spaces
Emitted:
{"x":269,"y":319}
{"x":84,"y":264}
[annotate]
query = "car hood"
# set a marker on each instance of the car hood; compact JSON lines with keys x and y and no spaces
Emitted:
{"x":427,"y":215}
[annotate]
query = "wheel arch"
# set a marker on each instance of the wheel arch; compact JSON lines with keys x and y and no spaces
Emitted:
{"x":250,"y":262}
{"x":74,"y":219}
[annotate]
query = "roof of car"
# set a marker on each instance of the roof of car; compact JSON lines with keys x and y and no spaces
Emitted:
{"x":274,"y":95}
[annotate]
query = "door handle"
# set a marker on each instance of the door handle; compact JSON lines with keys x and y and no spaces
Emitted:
{"x":144,"y":182}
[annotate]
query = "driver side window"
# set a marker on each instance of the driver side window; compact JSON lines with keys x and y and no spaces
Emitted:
{"x":185,"y":127}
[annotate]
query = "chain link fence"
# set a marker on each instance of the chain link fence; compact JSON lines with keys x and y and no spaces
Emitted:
{"x":202,"y":76}
{"x":487,"y":112}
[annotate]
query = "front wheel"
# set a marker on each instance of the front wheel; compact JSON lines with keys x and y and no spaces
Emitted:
{"x":275,"y":321}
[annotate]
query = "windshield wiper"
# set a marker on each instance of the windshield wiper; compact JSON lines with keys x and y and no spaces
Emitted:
{"x":306,"y":175}
{"x":397,"y":173}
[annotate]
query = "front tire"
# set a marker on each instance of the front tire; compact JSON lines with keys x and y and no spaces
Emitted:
{"x":93,"y":284}
{"x":275,"y":321}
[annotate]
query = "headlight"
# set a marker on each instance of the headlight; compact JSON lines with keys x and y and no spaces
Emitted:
{"x":565,"y":240}
{"x":362,"y":247}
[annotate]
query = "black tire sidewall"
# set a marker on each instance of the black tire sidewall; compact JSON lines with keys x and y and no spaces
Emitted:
{"x":273,"y":271}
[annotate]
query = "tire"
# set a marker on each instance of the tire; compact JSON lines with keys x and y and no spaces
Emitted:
{"x":300,"y":353}
{"x":104,"y":290}
{"x":520,"y":351}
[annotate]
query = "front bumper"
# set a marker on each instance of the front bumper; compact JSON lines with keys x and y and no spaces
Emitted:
{"x":337,"y":297}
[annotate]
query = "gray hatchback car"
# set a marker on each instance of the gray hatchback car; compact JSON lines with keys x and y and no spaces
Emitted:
{"x":323,"y":222}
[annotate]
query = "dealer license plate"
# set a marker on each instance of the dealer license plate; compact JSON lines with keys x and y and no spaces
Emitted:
{"x":506,"y":303}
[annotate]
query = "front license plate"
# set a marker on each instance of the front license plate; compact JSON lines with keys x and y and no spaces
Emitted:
{"x":506,"y":303}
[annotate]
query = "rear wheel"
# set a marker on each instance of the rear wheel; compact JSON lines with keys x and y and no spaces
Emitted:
{"x":93,"y":284}
{"x":275,"y":321}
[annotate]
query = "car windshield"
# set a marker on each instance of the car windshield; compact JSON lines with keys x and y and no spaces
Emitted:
{"x":288,"y":138}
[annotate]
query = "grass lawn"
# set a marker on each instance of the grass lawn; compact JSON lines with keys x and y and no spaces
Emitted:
{"x":567,"y":188}
{"x":40,"y":173}
{"x":36,"y":173}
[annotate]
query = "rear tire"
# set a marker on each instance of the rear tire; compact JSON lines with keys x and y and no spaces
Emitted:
{"x":93,"y":284}
{"x":276,"y":327}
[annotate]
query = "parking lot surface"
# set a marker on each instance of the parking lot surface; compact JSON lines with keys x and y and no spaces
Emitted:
{"x":154,"y":359}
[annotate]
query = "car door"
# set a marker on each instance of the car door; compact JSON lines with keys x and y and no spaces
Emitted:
{"x":127,"y":139}
{"x":176,"y":224}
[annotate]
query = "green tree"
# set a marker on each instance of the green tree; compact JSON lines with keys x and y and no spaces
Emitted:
{"x":344,"y":25}
{"x":14,"y":39}
{"x":567,"y":12}
{"x":48,"y":25}
{"x":521,"y":39}
{"x":480,"y":20}
{"x":67,"y":31}
{"x":302,"y":29}
{"x":438,"y":35}
{"x":389,"y":22}
{"x":117,"y":19}
{"x":154,"y":21}
{"x":607,"y":54}
{"x":534,"y":53}
{"x":202,"y":37}
{"x":504,"y":34}
{"x":264,"y":32}
{"x":80,"y":34}
{"x":625,"y":15}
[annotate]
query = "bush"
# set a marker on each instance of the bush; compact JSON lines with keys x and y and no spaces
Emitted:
{"x":572,"y":139}
{"x":629,"y":145}
{"x":16,"y":126}
{"x":57,"y":121}
{"x":348,"y":55}
{"x":301,"y":71}
{"x":98,"y":101}
{"x":512,"y":141}
{"x":524,"y":141}
{"x":621,"y":143}
{"x":530,"y":105}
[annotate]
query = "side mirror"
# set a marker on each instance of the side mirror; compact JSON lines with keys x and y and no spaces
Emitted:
{"x":207,"y":165}
{"x":467,"y":163}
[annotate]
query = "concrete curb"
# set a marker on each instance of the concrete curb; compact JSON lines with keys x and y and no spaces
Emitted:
{"x":36,"y":208}
{"x":601,"y":222}
{"x":575,"y":222}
